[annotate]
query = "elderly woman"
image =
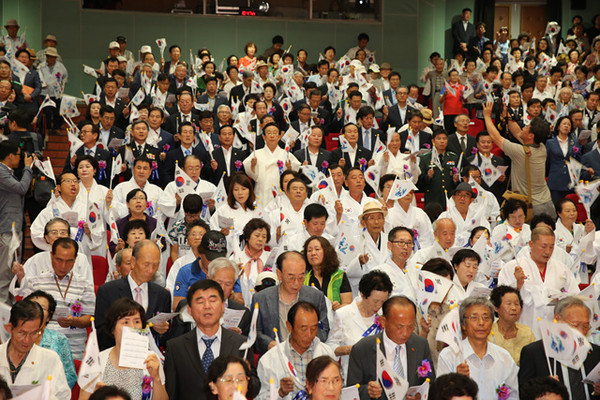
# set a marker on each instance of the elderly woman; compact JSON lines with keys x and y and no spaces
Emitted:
{"x":324,"y":273}
{"x":195,"y":232}
{"x":514,"y":234}
{"x":506,"y":331}
{"x":499,"y":369}
{"x":465,"y":263}
{"x":137,"y":202}
{"x":392,"y":161}
{"x":226,"y":374}
{"x":360,"y":318}
{"x":122,"y":314}
{"x":324,"y":379}
{"x":53,"y":340}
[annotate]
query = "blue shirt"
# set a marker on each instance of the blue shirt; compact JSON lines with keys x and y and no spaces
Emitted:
{"x":190,"y":273}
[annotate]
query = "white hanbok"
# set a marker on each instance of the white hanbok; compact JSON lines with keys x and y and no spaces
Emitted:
{"x":97,"y":195}
{"x":414,"y":218}
{"x":475,"y":217}
{"x":507,"y":242}
{"x":457,"y":292}
{"x":377,"y":254}
{"x":153,"y":194}
{"x":398,"y":164}
{"x":402,"y":281}
{"x":267,"y":170}
{"x":353,"y":208}
{"x":537,"y":293}
{"x":582,"y":248}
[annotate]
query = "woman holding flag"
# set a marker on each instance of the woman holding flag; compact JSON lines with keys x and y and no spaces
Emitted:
{"x":392,"y":161}
{"x":451,"y":98}
{"x":141,"y":384}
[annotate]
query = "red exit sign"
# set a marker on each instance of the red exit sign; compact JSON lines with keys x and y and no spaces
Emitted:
{"x":249,"y":13}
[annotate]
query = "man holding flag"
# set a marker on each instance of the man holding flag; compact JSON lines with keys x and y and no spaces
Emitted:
{"x":12,"y":193}
{"x":488,"y":364}
{"x":399,"y":347}
{"x":535,"y":360}
{"x":286,"y":362}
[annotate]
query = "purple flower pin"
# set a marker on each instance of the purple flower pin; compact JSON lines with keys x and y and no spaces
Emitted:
{"x":238,"y":165}
{"x":575,"y":150}
{"x":503,"y":392}
{"x":427,"y":145}
{"x":424,"y":370}
{"x":474,"y":150}
{"x":154,"y":165}
{"x":324,"y":166}
{"x":102,"y":164}
{"x":166,"y":147}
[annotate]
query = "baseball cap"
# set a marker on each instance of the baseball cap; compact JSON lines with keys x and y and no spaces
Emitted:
{"x":214,"y":245}
{"x":113,"y":45}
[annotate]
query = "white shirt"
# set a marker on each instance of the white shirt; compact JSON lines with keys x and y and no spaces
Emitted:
{"x":497,"y":368}
{"x":215,"y":346}
{"x":153,"y":193}
{"x":400,"y":279}
{"x":144,"y":286}
{"x":414,"y":218}
{"x":390,"y":352}
{"x":227,"y":156}
{"x":352,"y":207}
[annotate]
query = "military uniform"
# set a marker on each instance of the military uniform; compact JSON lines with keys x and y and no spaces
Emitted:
{"x":435,"y":189}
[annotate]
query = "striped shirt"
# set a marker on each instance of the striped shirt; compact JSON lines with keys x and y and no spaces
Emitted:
{"x":67,"y":292}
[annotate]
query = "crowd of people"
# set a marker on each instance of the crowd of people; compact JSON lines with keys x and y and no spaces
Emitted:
{"x":276,"y":228}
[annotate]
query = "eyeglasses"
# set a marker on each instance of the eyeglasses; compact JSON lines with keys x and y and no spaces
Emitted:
{"x":55,"y":232}
{"x":291,"y":278}
{"x":402,"y":243}
{"x":228,"y":380}
{"x":477,"y":318}
{"x":330,"y":381}
{"x":23,"y":335}
{"x":70,"y":181}
{"x":142,"y":198}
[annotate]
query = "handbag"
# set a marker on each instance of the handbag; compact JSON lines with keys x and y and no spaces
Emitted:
{"x":515,"y":194}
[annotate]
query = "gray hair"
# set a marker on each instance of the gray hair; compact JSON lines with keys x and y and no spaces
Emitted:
{"x":474,"y":301}
{"x":54,"y":221}
{"x":247,"y":74}
{"x":221,"y":263}
{"x":439,"y":221}
{"x":224,"y":107}
{"x":140,"y":245}
{"x":119,"y":256}
{"x":571,"y":301}
{"x":401,"y":87}
{"x":146,"y":65}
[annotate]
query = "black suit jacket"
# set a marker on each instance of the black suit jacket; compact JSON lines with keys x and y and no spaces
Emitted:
{"x":238,"y":93}
{"x":150,"y":152}
{"x":220,"y":98}
{"x":174,"y":120}
{"x":324,"y":155}
{"x":361,"y":152}
{"x":362,"y":367}
{"x":184,"y":373}
{"x":175,"y":155}
{"x":454,"y":145}
{"x":424,"y":139}
{"x":498,"y":188}
{"x":534,"y":364}
{"x":159,"y":300}
{"x":114,"y":133}
{"x":244,"y":324}
{"x":461,"y":35}
{"x":394,"y":118}
{"x":99,"y":155}
{"x":374,"y":133}
{"x":236,"y":155}
{"x":121,"y":121}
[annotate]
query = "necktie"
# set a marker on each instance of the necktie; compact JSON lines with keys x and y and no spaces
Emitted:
{"x":577,"y":390}
{"x":463,"y":144}
{"x":441,"y":158}
{"x":138,"y":295}
{"x":187,"y":152}
{"x":89,"y":152}
{"x":208,"y":357}
{"x":185,"y":118}
{"x":398,"y":362}
{"x":367,"y":141}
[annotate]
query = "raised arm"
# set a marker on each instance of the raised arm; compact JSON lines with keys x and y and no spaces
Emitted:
{"x":489,"y":125}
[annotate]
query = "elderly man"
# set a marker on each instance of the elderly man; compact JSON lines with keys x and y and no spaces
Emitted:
{"x":369,"y":243}
{"x":74,"y":294}
{"x":189,"y":356}
{"x":137,"y":286}
{"x":402,"y":348}
{"x":26,"y":363}
{"x":460,"y":141}
{"x":315,"y":223}
{"x":444,"y":232}
{"x":49,"y":41}
{"x":227,"y":159}
{"x":177,"y":155}
{"x":238,"y":93}
{"x":574,"y":312}
{"x":12,"y":41}
{"x":276,"y":301}
{"x":187,"y":113}
{"x":464,"y":215}
{"x":485,"y":362}
{"x":400,"y":246}
{"x":225,"y":272}
{"x":55,"y":76}
{"x":354,"y":199}
{"x":538,"y":277}
{"x":301,"y":346}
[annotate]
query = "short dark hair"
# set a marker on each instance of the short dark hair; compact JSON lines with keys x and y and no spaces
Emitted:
{"x":535,"y":388}
{"x":219,"y":366}
{"x":315,"y":210}
{"x":65,"y":243}
{"x":286,"y":173}
{"x":5,"y":391}
{"x":512,"y":205}
{"x":48,"y":297}
{"x":439,"y":266}
{"x":395,"y":230}
{"x":92,"y":160}
{"x":192,"y":203}
{"x":465,"y":254}
{"x":466,"y":9}
{"x":25,"y":311}
{"x":363,"y":36}
{"x":499,"y":292}
{"x":277,"y":39}
{"x":386,"y":308}
{"x":542,"y":218}
{"x":109,"y":392}
{"x":451,"y":385}
{"x":136,"y":224}
{"x":385,"y":179}
{"x":560,"y":203}
{"x":132,"y":194}
{"x":476,"y":230}
{"x":204,"y":284}
{"x":142,"y":159}
{"x":375,"y":280}
{"x":22,"y":117}
{"x":254,"y":224}
{"x":301,"y":305}
{"x":365,"y":111}
{"x":7,"y":148}
{"x":120,"y":308}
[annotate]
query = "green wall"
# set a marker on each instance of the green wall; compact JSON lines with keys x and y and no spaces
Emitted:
{"x":409,"y":32}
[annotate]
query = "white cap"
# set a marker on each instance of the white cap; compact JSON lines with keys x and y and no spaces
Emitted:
{"x":374,"y":68}
{"x":121,"y":59}
{"x":361,"y":69}
{"x":146,"y":49}
{"x":113,"y":45}
{"x":355,"y":63}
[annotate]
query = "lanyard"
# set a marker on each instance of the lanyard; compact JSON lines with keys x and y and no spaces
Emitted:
{"x":66,"y":290}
